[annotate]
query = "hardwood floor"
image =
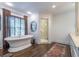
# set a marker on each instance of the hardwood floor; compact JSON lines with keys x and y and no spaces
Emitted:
{"x":33,"y":51}
{"x":37,"y":51}
{"x":1,"y":52}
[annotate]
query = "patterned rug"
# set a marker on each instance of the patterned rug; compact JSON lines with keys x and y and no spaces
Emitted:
{"x":57,"y":50}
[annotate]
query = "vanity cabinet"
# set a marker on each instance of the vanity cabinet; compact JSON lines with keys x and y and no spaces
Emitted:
{"x":74,"y":48}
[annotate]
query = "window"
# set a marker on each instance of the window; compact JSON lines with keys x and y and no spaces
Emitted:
{"x":16,"y":26}
{"x":22,"y":27}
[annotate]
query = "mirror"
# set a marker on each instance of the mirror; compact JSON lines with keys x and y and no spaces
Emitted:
{"x":33,"y":26}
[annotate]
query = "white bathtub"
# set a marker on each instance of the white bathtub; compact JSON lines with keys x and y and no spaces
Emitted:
{"x":19,"y":43}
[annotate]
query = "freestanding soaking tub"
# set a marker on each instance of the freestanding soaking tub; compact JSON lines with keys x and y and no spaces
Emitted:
{"x":19,"y":43}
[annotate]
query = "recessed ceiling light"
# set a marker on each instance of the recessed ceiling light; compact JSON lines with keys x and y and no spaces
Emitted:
{"x":9,"y":4}
{"x":28,"y":12}
{"x":53,"y":6}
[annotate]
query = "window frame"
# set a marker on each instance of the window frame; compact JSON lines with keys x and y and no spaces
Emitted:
{"x":9,"y":28}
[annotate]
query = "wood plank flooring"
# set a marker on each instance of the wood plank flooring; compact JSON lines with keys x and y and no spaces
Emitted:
{"x":37,"y":51}
{"x":33,"y":51}
{"x":1,"y":52}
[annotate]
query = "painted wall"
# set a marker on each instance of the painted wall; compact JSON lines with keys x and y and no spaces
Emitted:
{"x":1,"y":31}
{"x":50,"y":29}
{"x":34,"y":17}
{"x":62,"y":25}
{"x":77,"y":17}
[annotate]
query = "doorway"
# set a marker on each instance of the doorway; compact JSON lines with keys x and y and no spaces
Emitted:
{"x":44,"y":30}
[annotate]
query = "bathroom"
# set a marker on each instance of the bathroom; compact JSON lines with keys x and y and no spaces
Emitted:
{"x":59,"y":24}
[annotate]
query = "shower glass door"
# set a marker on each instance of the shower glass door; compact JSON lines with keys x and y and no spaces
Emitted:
{"x":44,"y":30}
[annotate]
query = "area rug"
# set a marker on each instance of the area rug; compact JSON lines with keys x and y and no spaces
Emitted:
{"x":57,"y":50}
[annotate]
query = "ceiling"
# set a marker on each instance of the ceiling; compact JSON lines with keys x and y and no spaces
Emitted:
{"x":44,"y":7}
